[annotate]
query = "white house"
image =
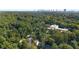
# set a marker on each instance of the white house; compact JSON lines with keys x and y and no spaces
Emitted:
{"x":30,"y":40}
{"x":56,"y":27}
{"x":53,"y":27}
{"x":62,"y":29}
{"x":22,"y":40}
{"x":37,"y":42}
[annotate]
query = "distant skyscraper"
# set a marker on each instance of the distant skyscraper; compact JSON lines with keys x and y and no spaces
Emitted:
{"x":64,"y":10}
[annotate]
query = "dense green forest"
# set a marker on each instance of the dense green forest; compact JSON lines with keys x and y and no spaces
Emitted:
{"x":29,"y":30}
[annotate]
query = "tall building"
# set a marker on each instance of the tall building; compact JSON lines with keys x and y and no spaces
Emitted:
{"x":64,"y":10}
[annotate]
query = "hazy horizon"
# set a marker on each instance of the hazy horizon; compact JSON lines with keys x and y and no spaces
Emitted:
{"x":39,"y":10}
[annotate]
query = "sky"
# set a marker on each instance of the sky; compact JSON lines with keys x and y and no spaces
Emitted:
{"x":39,"y":4}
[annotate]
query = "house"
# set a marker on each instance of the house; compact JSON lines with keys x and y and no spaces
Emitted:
{"x":36,"y":42}
{"x":56,"y":27}
{"x":30,"y":40}
{"x":53,"y":27}
{"x":62,"y":29}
